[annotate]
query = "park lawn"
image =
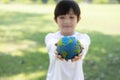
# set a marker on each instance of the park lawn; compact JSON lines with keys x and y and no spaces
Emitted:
{"x":23,"y":55}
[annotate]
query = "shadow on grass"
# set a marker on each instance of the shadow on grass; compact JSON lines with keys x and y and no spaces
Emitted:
{"x":102,"y":61}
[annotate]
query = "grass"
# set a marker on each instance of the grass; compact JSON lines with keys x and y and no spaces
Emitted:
{"x":23,"y":55}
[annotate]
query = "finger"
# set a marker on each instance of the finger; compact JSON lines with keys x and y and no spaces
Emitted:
{"x":73,"y":60}
{"x":56,"y":52}
{"x":60,"y":57}
{"x":76,"y":58}
{"x":57,"y":55}
{"x":80,"y":55}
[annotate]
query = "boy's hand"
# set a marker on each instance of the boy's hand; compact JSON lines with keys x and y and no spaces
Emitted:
{"x":76,"y":58}
{"x":59,"y":56}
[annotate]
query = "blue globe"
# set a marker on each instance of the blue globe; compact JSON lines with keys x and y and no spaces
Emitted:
{"x":68,"y":47}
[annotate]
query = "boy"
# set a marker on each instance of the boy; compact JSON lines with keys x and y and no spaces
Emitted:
{"x":67,"y":15}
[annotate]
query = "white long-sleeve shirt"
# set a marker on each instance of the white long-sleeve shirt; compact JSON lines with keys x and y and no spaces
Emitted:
{"x":62,"y":70}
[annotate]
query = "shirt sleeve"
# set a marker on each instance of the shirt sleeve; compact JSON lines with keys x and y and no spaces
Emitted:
{"x":48,"y":40}
{"x":85,"y":43}
{"x":50,"y":44}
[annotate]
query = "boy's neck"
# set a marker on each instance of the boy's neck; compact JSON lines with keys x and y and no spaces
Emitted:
{"x":67,"y":34}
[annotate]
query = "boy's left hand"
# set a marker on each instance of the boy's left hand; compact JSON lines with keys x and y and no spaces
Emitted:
{"x":76,"y":58}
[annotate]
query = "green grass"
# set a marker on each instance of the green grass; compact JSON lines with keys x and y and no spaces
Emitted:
{"x":23,"y":55}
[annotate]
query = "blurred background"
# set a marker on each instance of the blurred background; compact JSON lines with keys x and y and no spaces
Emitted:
{"x":25,"y":23}
{"x":54,"y":1}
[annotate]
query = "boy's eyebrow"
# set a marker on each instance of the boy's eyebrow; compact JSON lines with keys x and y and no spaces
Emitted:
{"x":72,"y":14}
{"x":68,"y":14}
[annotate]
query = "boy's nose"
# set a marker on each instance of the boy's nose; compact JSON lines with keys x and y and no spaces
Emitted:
{"x":66,"y":21}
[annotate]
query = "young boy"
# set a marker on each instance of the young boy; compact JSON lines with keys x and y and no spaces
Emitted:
{"x":67,"y":15}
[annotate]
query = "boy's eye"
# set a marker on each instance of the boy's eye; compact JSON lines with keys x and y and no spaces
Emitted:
{"x":71,"y":17}
{"x":62,"y":17}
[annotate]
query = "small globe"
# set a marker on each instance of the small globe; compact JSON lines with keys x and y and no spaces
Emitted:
{"x":68,"y":47}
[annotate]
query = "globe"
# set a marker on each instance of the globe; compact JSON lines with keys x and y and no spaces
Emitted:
{"x":68,"y":47}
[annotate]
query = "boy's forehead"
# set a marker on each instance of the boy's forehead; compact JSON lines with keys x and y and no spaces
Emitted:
{"x":71,"y":12}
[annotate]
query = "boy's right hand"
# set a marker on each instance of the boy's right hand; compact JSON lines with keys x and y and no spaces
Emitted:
{"x":59,"y":56}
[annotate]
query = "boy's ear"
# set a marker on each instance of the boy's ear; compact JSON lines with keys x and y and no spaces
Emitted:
{"x":79,"y":18}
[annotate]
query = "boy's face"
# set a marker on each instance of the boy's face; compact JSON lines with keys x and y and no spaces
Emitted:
{"x":67,"y":23}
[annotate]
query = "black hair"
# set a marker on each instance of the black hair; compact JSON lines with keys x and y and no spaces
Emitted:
{"x":64,"y":6}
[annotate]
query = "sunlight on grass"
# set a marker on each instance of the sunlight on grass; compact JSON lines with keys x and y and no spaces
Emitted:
{"x":27,"y":8}
{"x":17,"y":53}
{"x":93,"y":17}
{"x":22,"y":76}
{"x":37,"y":74}
{"x":42,"y":49}
{"x":102,"y":18}
{"x":14,"y":48}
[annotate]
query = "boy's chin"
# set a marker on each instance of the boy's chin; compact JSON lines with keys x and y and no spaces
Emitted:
{"x":68,"y":33}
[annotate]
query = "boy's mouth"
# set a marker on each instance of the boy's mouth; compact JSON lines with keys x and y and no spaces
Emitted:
{"x":66,"y":26}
